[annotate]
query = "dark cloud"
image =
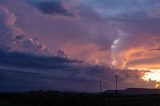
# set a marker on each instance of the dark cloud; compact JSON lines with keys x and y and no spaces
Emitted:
{"x":22,"y":71}
{"x":31,"y":61}
{"x":95,"y":33}
{"x":52,"y":8}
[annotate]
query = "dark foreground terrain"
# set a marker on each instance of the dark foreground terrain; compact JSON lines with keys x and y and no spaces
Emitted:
{"x":54,"y":98}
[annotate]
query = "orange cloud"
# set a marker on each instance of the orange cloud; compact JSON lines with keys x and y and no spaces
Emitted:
{"x":89,"y":52}
{"x":129,"y":51}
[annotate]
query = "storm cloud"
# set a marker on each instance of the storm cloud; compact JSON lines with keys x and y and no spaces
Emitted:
{"x":51,"y":8}
{"x":95,"y":40}
{"x":23,"y":71}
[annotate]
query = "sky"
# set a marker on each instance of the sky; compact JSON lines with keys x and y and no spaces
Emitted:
{"x":73,"y":44}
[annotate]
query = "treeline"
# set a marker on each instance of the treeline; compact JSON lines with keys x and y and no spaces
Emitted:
{"x":55,"y":98}
{"x":51,"y":98}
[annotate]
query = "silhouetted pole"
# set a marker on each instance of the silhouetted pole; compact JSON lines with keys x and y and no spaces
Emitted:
{"x":116,"y":76}
{"x":100,"y":86}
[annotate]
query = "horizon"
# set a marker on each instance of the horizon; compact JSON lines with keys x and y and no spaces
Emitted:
{"x":79,"y":45}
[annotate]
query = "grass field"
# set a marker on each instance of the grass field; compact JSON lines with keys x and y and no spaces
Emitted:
{"x":54,"y":98}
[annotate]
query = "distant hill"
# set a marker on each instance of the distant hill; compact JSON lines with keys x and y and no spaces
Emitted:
{"x":136,"y":91}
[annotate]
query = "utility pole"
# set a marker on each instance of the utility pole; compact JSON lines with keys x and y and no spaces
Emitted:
{"x":116,"y":76}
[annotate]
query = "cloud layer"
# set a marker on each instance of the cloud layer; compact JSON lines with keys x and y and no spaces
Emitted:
{"x":13,"y":38}
{"x":51,"y":8}
{"x":91,"y":36}
{"x":22,"y":71}
{"x":86,"y":30}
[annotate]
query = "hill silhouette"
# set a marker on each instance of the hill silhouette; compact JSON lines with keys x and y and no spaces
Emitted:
{"x":56,"y":98}
{"x":136,"y":91}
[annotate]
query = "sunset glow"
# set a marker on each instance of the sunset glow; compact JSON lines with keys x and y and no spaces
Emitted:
{"x":51,"y":44}
{"x":154,"y":74}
